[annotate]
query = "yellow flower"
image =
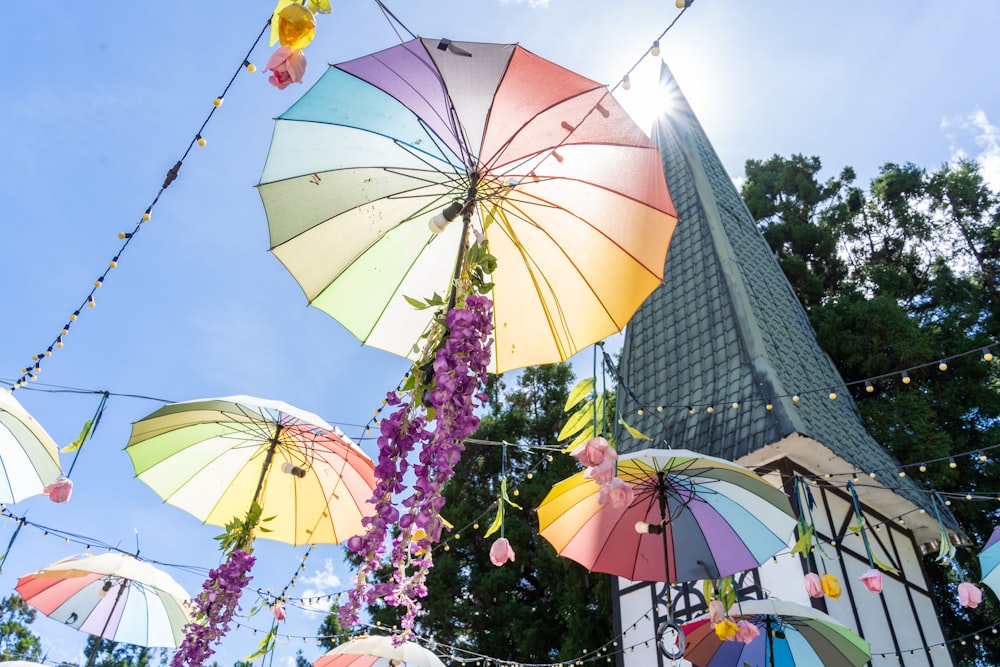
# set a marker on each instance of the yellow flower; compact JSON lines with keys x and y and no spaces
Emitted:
{"x":726,"y":630}
{"x":292,"y":24}
{"x":831,"y":586}
{"x":415,"y":539}
{"x":320,"y":6}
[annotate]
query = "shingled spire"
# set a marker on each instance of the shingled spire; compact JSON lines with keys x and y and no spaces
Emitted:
{"x":726,"y":328}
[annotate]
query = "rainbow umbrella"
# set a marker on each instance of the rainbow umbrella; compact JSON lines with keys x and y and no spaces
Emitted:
{"x":693,"y":517}
{"x":541,"y":162}
{"x":989,"y":562}
{"x":215,"y":457}
{"x":29,"y":458}
{"x":791,"y":635}
{"x":378,"y":651}
{"x":113,"y":596}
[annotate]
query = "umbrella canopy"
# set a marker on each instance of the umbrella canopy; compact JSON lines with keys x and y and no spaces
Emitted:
{"x":112,"y":595}
{"x":378,"y":651}
{"x":215,"y":457}
{"x":717,"y":519}
{"x":790,"y":634}
{"x":29,"y":458}
{"x":567,"y":189}
{"x":989,"y":562}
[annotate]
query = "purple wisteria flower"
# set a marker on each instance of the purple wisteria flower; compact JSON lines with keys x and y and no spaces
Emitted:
{"x":214,"y":608}
{"x":459,"y":369}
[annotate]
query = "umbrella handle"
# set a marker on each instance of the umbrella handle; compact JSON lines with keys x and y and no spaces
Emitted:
{"x":470,"y":198}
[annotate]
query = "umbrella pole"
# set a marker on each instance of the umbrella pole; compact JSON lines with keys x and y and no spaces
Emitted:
{"x":267,"y":464}
{"x":100,"y":637}
{"x":460,"y":260}
{"x":661,"y":492}
{"x":770,"y":642}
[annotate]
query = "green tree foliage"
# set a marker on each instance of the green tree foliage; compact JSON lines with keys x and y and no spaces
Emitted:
{"x":17,"y":642}
{"x":540,"y":608}
{"x":331,"y":633}
{"x":915,"y":263}
{"x":117,"y":654}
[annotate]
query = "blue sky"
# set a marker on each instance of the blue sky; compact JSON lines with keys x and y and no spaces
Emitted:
{"x":100,"y":100}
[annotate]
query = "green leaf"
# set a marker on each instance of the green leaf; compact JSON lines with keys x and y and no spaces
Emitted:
{"x":76,"y":444}
{"x":497,"y":522}
{"x":266,"y":644}
{"x":576,"y":421}
{"x":707,"y":590}
{"x":582,"y":389}
{"x":635,"y":433}
{"x":505,"y":497}
{"x":419,"y":305}
{"x":883,"y":566}
{"x":804,"y":542}
{"x":582,"y":437}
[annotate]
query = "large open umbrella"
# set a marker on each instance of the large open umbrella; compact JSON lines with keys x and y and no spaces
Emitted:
{"x":540,"y":161}
{"x":791,"y":635}
{"x":989,"y":562}
{"x":113,"y":596}
{"x":29,"y":458}
{"x":216,"y":457}
{"x":378,"y":651}
{"x":701,"y":517}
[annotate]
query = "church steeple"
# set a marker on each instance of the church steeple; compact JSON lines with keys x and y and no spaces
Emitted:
{"x":726,"y":328}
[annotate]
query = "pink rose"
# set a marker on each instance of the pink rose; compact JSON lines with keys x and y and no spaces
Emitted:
{"x":872,"y":579}
{"x":59,"y":491}
{"x":594,"y":452}
{"x":279,"y":610}
{"x":814,"y":586}
{"x":969,"y":595}
{"x":746,"y":632}
{"x":716,"y":612}
{"x":501,"y":552}
{"x":286,"y":66}
{"x":602,"y":473}
{"x":618,"y":492}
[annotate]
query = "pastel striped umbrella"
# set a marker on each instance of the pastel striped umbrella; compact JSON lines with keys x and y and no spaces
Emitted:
{"x":989,"y":562}
{"x":215,"y":457}
{"x":378,"y":651}
{"x":29,"y":458}
{"x":111,"y":595}
{"x":791,"y":635}
{"x":700,"y":516}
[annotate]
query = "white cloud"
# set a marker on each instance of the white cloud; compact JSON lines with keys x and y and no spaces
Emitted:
{"x":319,"y":585}
{"x":975,"y":129}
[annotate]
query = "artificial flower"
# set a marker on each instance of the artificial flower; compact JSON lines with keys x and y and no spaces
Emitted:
{"x":501,"y":552}
{"x":716,"y":612}
{"x":872,"y":579}
{"x":813,"y":585}
{"x":278,"y":610}
{"x":602,"y":473}
{"x":618,"y":492}
{"x":286,"y":66}
{"x":60,"y":490}
{"x":746,"y":632}
{"x":831,"y":586}
{"x":969,"y":595}
{"x":320,"y":6}
{"x":594,"y":452}
{"x":296,"y":26}
{"x":726,"y":630}
{"x":214,"y":608}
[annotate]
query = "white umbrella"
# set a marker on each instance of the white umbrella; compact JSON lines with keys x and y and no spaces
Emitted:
{"x":29,"y":458}
{"x":378,"y":651}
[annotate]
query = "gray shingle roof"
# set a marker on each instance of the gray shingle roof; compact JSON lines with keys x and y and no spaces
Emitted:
{"x":726,"y":327}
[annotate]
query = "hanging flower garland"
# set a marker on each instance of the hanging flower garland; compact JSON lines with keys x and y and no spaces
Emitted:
{"x":443,"y":391}
{"x":501,"y":551}
{"x":218,"y":601}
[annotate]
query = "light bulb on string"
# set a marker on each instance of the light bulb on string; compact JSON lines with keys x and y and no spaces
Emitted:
{"x":951,"y":462}
{"x":655,"y":50}
{"x":626,"y":84}
{"x":869,"y":387}
{"x":905,"y":377}
{"x":942,"y":365}
{"x":987,"y":356}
